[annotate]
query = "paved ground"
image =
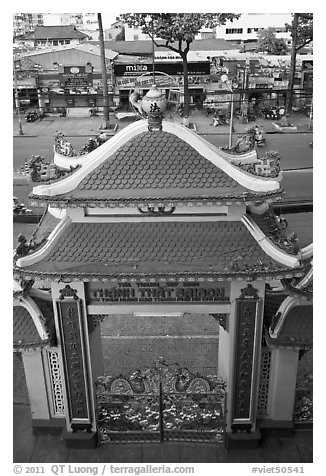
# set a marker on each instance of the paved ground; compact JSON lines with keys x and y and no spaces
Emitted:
{"x":52,"y":449}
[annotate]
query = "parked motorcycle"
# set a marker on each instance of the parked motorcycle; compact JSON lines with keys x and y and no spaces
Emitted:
{"x":32,"y":116}
{"x":220,"y":119}
{"x":93,"y":111}
{"x":273,"y":113}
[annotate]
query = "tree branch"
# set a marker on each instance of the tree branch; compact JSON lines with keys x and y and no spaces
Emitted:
{"x":303,"y":44}
{"x":163,"y":46}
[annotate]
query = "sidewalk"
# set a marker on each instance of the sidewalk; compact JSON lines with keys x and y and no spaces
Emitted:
{"x":89,"y":126}
{"x":52,"y":449}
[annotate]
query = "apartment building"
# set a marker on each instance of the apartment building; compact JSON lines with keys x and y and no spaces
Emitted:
{"x":246,"y":28}
{"x":24,"y":23}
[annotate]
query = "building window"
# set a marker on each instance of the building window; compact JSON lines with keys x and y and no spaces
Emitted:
{"x":231,"y":31}
{"x":136,"y":37}
{"x":67,"y":42}
{"x":55,"y":42}
{"x":252,"y":30}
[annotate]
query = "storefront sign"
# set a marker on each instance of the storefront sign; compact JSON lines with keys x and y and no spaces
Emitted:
{"x":163,"y":82}
{"x":198,"y":68}
{"x":157,"y":291}
{"x":29,"y":83}
{"x":76,"y":77}
{"x":73,"y":350}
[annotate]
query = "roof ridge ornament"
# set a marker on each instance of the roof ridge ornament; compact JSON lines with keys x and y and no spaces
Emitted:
{"x":153,"y":104}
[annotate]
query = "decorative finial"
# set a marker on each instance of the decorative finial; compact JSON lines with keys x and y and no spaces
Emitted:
{"x":154,"y":104}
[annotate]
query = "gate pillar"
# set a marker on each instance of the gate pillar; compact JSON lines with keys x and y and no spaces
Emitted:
{"x":282,"y":384}
{"x":72,"y":332}
{"x":36,"y":385}
{"x":245,"y":335}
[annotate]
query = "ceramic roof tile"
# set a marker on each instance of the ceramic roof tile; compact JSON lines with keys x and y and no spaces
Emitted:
{"x":158,"y":163}
{"x":156,"y":247}
{"x":24,"y":330}
{"x":297,"y":328}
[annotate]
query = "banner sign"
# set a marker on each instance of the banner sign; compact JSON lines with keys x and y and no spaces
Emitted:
{"x":73,"y":350}
{"x":158,"y":291}
{"x":198,"y":68}
{"x":145,"y":82}
{"x":76,"y":77}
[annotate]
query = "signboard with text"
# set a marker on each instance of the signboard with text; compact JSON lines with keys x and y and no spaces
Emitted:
{"x":76,"y":77}
{"x":198,"y":68}
{"x":73,"y":350}
{"x":158,"y":292}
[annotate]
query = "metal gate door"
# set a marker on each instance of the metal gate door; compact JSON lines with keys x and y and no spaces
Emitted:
{"x":161,"y":403}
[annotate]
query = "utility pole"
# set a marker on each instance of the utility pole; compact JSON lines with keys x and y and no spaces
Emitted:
{"x":17,"y":102}
{"x":104,"y":75}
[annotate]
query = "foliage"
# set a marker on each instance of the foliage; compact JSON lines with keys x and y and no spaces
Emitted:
{"x":121,"y":35}
{"x":268,"y":42}
{"x":304,"y":29}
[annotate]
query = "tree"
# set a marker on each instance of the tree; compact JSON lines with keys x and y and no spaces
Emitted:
{"x":178,"y":30}
{"x":301,"y":30}
{"x":269,"y":43}
{"x":121,"y":35}
{"x":104,"y":75}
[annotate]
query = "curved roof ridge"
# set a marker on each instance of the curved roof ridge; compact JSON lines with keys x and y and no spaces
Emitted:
{"x":293,"y":261}
{"x":200,"y":146}
{"x":211,"y":153}
{"x":32,"y":308}
{"x":92,"y":160}
{"x":50,"y":242}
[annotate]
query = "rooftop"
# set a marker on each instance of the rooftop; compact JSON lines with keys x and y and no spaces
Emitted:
{"x":144,"y":47}
{"x":166,"y":248}
{"x":24,"y":329}
{"x":173,"y":164}
{"x":55,"y":32}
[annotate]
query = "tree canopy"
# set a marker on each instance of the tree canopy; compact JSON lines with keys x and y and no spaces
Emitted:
{"x":302,"y":29}
{"x":269,"y":43}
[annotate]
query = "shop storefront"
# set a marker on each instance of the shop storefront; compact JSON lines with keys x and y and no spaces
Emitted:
{"x":27,"y":84}
{"x":129,"y":77}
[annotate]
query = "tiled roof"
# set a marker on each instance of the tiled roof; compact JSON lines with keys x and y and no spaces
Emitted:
{"x":157,"y":165}
{"x":297,"y":328}
{"x":130,"y":248}
{"x":55,"y":32}
{"x":273,"y":300}
{"x":24,"y":331}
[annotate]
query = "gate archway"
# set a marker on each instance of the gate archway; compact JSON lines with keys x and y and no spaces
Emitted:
{"x":161,"y":403}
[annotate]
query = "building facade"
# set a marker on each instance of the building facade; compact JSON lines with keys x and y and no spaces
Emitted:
{"x":151,"y":230}
{"x":63,"y":78}
{"x":45,"y":36}
{"x":262,"y":79}
{"x":246,"y":28}
{"x":24,"y":23}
